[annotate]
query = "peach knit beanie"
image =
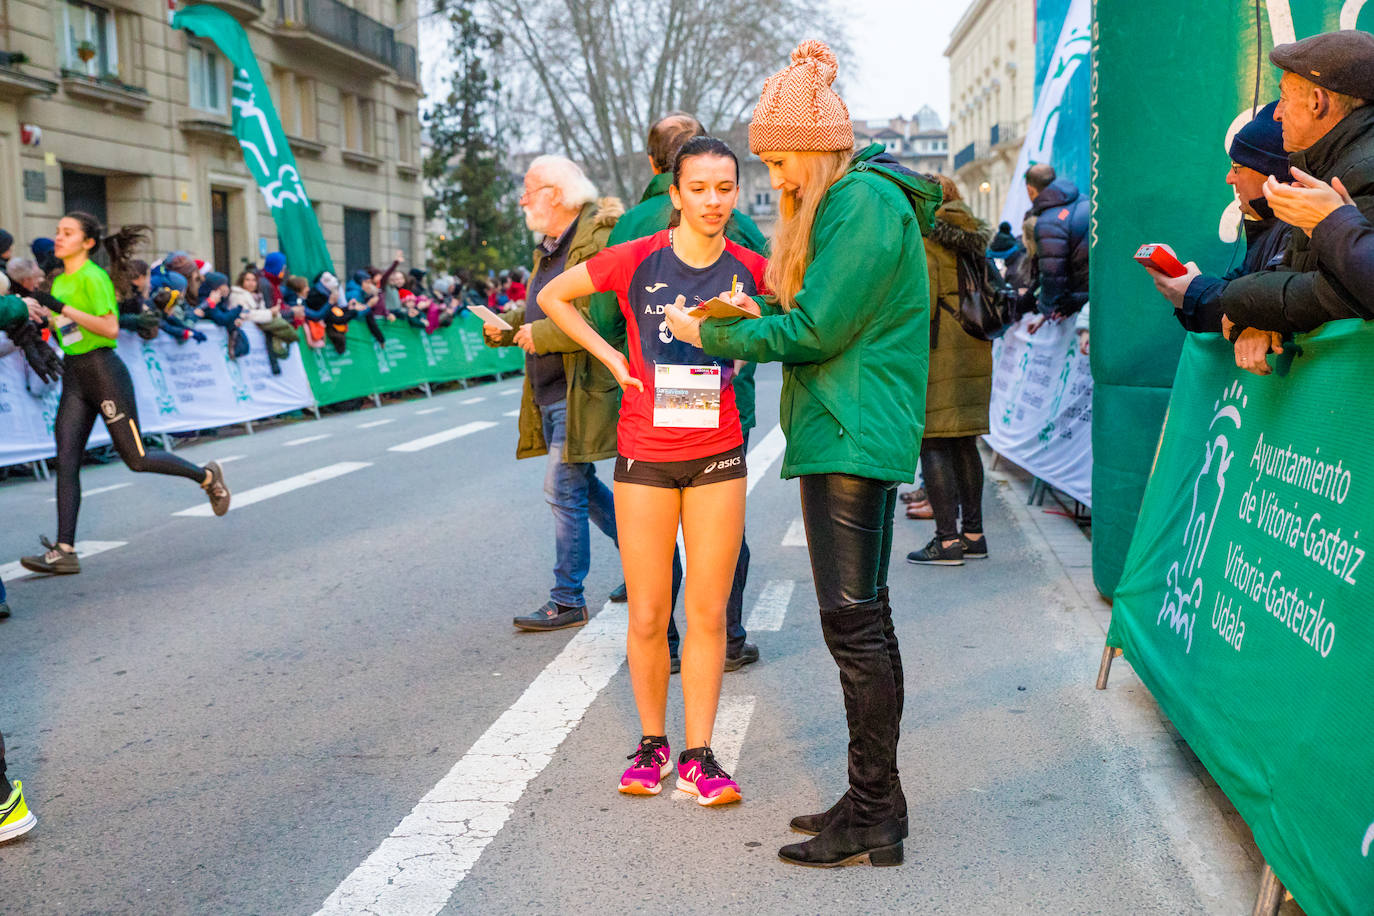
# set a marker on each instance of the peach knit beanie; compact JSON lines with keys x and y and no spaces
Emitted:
{"x":798,"y":110}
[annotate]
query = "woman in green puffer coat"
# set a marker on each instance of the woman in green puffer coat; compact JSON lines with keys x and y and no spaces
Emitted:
{"x":957,"y":392}
{"x":849,"y":325}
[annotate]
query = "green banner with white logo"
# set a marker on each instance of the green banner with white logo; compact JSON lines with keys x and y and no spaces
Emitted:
{"x":266,"y":151}
{"x":410,"y":358}
{"x":1247,"y":600}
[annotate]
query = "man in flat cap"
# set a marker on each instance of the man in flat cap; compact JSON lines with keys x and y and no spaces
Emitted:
{"x":1328,"y":130}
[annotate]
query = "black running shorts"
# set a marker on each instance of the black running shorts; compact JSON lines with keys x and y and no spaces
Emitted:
{"x":675,"y":475}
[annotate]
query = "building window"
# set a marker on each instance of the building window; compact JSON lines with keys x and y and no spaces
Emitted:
{"x":89,"y":44}
{"x":205,"y":79}
{"x":295,"y":98}
{"x":358,"y":128}
{"x":405,"y":235}
{"x":405,"y":139}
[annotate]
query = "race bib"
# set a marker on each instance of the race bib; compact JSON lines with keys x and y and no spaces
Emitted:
{"x":686,"y":396}
{"x":68,"y":331}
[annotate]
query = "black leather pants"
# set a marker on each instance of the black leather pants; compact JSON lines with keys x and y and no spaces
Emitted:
{"x":953,"y":473}
{"x":849,"y":529}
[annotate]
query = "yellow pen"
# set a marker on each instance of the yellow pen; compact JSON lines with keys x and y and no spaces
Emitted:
{"x":734,"y":285}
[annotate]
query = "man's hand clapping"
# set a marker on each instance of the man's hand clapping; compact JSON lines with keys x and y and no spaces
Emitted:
{"x":1307,"y":202}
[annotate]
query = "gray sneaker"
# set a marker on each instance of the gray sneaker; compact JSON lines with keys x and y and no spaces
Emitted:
{"x":56,"y":562}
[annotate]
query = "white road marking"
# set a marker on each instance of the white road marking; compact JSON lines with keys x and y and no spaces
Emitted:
{"x":306,"y":439}
{"x":473,"y":400}
{"x":511,"y":413}
{"x":373,"y":423}
{"x":428,"y":410}
{"x":796,"y":534}
{"x":85,"y":493}
{"x":12,"y":572}
{"x":267,"y":491}
{"x":771,"y":607}
{"x":229,"y":458}
{"x":762,"y":456}
{"x":511,"y":391}
{"x":416,"y":868}
{"x":727,"y":739}
{"x":448,"y":435}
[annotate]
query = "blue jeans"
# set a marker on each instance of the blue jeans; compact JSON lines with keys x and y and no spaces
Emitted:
{"x":576,"y":496}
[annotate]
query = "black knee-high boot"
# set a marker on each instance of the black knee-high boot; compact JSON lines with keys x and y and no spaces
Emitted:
{"x":814,"y":823}
{"x":866,"y":828}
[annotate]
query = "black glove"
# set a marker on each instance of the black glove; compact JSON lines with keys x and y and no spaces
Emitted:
{"x":28,"y":336}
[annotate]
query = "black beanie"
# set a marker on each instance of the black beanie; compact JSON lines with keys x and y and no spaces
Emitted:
{"x":1259,"y":145}
{"x":6,"y":242}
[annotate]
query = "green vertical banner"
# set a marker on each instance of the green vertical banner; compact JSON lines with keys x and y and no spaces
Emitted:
{"x":1247,"y":600}
{"x":1162,"y":118}
{"x":266,"y":151}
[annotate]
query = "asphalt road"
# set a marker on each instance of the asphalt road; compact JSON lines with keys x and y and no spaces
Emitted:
{"x":233,"y":715}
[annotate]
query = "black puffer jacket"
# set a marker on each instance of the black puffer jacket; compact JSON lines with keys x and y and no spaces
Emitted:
{"x":1061,"y":243}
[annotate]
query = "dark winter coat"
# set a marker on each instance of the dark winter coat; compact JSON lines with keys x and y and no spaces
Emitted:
{"x":1265,"y":242}
{"x":1061,"y":245}
{"x":1344,"y":243}
{"x":960,"y":382}
{"x":1300,"y":295}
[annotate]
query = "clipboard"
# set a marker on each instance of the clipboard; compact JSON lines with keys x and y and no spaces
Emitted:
{"x":490,"y":317}
{"x":717,"y":307}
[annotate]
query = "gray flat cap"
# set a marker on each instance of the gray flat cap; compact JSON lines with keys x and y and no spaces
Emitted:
{"x":1339,"y":61}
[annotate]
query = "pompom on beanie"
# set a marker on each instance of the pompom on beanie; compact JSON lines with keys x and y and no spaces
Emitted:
{"x":798,"y":110}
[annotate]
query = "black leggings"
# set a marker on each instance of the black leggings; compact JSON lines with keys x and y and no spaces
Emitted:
{"x":849,"y":529}
{"x":98,"y":384}
{"x":953,"y":473}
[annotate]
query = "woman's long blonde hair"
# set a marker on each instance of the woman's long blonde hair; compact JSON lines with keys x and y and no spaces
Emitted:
{"x":791,"y":252}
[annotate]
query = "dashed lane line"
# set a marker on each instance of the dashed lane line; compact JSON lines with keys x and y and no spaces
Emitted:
{"x":448,"y":435}
{"x":427,"y":410}
{"x":511,"y":413}
{"x":277,"y":488}
{"x":763,"y":454}
{"x":230,"y":458}
{"x":771,"y":607}
{"x":796,"y":534}
{"x":13,"y":572}
{"x":727,"y":738}
{"x":416,"y":868}
{"x":475,"y":400}
{"x":509,"y":391}
{"x":97,"y":490}
{"x":373,"y":423}
{"x":305,"y":439}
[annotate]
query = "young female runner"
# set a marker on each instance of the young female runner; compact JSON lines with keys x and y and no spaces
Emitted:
{"x":851,"y":329}
{"x":680,"y":460}
{"x":97,"y":383}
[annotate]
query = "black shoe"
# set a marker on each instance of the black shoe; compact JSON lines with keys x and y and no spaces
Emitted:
{"x":812,"y":824}
{"x":747,"y":656}
{"x":841,"y":844}
{"x":620,"y":595}
{"x":975,"y":545}
{"x":56,"y":562}
{"x":4,"y":610}
{"x":216,"y":489}
{"x":553,"y":617}
{"x":936,"y":554}
{"x":674,"y":664}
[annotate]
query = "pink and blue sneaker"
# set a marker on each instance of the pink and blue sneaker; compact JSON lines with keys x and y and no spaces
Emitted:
{"x":652,"y":761}
{"x":698,"y":774}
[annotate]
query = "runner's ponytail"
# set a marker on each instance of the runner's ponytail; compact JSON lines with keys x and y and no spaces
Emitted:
{"x":119,"y":247}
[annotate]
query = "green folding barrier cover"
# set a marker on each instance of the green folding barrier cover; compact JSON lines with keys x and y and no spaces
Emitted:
{"x":409,"y":359}
{"x":1247,"y":600}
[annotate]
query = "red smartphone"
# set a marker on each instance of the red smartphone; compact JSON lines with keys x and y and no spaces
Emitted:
{"x":1160,"y":257}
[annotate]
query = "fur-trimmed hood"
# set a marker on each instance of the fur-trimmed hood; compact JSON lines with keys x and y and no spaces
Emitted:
{"x":608,"y":210}
{"x":957,"y":229}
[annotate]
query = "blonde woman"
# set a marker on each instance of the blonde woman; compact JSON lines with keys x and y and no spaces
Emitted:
{"x":849,"y":322}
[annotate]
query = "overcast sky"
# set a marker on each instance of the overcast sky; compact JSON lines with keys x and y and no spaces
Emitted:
{"x":899,"y":48}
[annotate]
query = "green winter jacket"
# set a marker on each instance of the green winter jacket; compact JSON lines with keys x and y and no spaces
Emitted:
{"x":593,"y":395}
{"x":855,"y":346}
{"x":12,"y":309}
{"x":651,"y":215}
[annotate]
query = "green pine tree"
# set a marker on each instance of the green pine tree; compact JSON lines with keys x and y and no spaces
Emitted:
{"x":473,"y":193}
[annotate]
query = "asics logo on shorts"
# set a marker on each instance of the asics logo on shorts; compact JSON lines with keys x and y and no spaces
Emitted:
{"x":722,"y":465}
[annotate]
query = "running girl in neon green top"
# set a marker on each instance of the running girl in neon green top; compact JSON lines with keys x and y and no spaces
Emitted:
{"x":97,"y":383}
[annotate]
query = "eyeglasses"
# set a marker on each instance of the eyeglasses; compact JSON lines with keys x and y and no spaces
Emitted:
{"x":530,"y":192}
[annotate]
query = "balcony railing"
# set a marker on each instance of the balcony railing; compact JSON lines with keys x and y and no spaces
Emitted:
{"x":342,"y":25}
{"x":1005,"y":132}
{"x":965,"y":156}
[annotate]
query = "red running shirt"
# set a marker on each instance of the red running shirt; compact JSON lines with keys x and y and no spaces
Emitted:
{"x":647,"y":276}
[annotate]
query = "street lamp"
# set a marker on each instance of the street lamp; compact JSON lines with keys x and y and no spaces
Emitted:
{"x":985,"y":187}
